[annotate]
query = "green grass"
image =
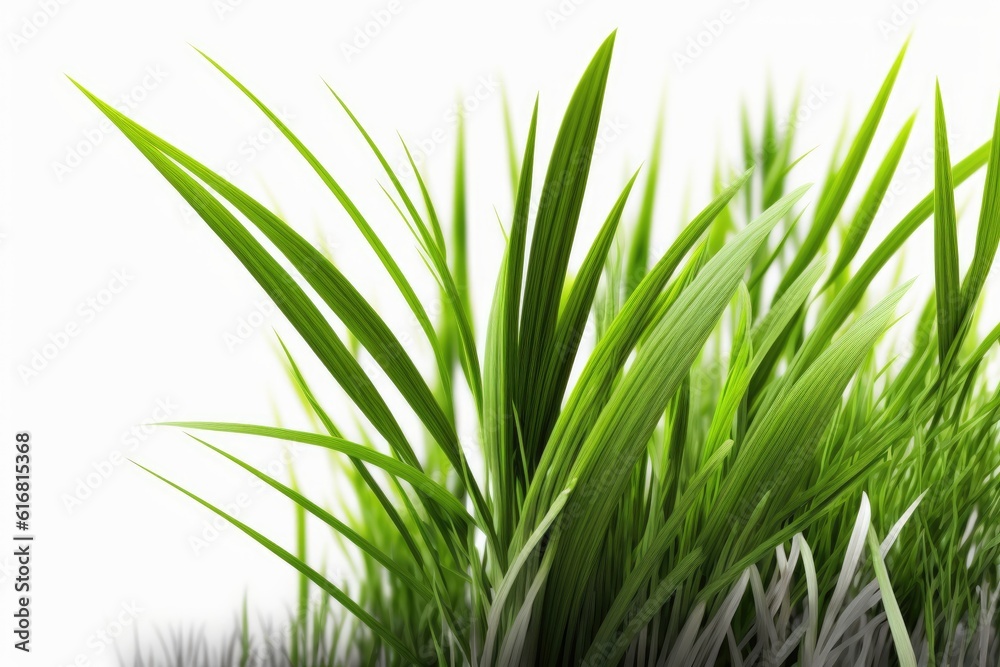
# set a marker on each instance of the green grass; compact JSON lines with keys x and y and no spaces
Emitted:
{"x":743,"y":468}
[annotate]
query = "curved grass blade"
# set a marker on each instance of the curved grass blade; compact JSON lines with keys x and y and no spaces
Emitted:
{"x":454,"y":282}
{"x":358,"y":464}
{"x":384,"y":633}
{"x":312,"y":508}
{"x":371,"y":237}
{"x":394,"y":467}
{"x":280,"y":286}
{"x":332,"y":286}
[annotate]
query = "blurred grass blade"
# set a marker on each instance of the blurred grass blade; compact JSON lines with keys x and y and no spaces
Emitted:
{"x":638,"y":254}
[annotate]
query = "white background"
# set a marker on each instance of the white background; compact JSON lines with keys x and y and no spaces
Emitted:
{"x":70,"y":223}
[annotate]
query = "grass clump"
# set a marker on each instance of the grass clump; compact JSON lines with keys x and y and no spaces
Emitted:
{"x":743,"y":468}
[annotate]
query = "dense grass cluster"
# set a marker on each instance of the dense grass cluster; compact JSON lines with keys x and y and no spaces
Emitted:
{"x":749,"y":465}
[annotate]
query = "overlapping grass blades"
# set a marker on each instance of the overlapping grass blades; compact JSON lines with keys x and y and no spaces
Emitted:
{"x":738,"y":474}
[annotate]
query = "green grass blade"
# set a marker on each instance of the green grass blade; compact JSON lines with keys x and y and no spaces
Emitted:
{"x":501,"y":441}
{"x":394,"y":467}
{"x":322,"y":582}
{"x":832,"y":199}
{"x":626,"y":422}
{"x":946,"y":282}
{"x":988,"y":233}
{"x":870,"y":202}
{"x":609,"y":356}
{"x":454,"y":283}
{"x":359,"y":465}
{"x":309,"y":506}
{"x":573,"y":320}
{"x":510,"y":142}
{"x":555,"y":228}
{"x":638,"y":253}
{"x":851,"y":294}
{"x":371,"y":237}
{"x":900,"y":635}
{"x":281,"y":288}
